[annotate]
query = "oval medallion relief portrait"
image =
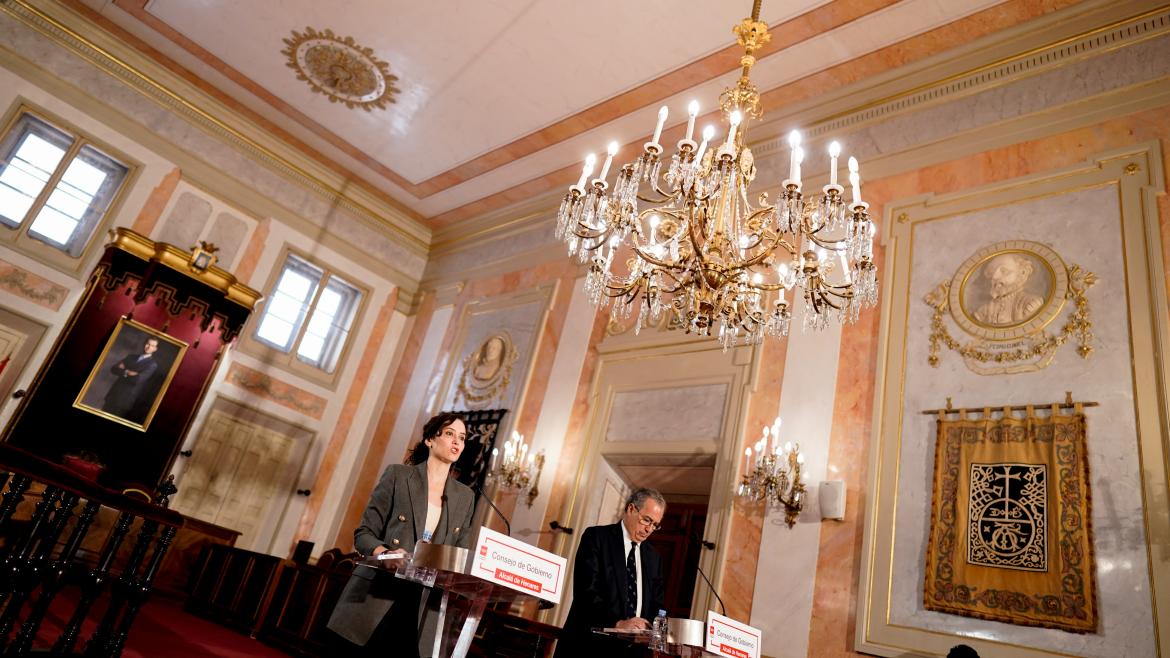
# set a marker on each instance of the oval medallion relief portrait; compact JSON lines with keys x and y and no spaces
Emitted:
{"x":487,"y":370}
{"x":1008,"y":290}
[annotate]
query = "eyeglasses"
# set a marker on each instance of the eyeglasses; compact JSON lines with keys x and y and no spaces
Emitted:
{"x":647,"y":521}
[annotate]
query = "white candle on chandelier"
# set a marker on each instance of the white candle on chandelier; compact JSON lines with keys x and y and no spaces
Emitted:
{"x":793,"y":144}
{"x":692,"y":112}
{"x":609,"y":153}
{"x":834,"y":151}
{"x":734,"y":119}
{"x":844,"y":267}
{"x":654,"y":219}
{"x":787,"y":446}
{"x":747,"y":459}
{"x":797,"y":158}
{"x":495,"y":454}
{"x":855,"y":180}
{"x":589,"y":161}
{"x":800,"y":458}
{"x":662,"y":112}
{"x":708,"y":133}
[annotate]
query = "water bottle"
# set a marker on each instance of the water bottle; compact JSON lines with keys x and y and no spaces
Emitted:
{"x":658,"y":632}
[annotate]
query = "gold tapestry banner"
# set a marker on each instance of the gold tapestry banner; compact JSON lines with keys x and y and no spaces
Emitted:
{"x":1010,"y":535}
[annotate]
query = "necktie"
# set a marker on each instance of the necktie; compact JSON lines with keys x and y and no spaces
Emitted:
{"x":632,"y":582}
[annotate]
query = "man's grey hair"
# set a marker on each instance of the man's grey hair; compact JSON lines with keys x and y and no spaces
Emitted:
{"x":639,"y":496}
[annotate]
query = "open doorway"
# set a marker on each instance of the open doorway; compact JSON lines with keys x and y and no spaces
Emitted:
{"x":666,"y":412}
{"x":685,"y":482}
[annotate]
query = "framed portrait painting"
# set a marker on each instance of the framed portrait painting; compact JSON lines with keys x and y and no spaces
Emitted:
{"x":131,"y":375}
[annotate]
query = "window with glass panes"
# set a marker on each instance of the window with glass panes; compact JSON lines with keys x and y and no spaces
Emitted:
{"x":309,"y":314}
{"x":55,"y":186}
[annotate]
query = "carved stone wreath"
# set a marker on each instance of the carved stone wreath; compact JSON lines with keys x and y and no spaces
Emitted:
{"x":1019,"y":342}
{"x":340,"y":69}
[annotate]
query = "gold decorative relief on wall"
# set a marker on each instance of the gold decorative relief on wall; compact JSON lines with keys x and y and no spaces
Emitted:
{"x":487,"y":370}
{"x":341,"y":69}
{"x":1006,"y":296}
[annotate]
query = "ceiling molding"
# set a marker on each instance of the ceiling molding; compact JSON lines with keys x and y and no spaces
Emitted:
{"x":204,"y":175}
{"x":1026,"y":50}
{"x":86,"y":39}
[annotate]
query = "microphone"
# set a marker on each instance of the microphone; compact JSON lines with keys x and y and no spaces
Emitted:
{"x":710,"y":546}
{"x":557,"y":526}
{"x":501,"y":514}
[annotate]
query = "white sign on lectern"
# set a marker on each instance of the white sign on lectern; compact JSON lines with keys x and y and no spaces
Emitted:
{"x":512,"y":563}
{"x":728,"y":637}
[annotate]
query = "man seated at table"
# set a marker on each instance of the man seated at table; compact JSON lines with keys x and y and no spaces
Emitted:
{"x":617,"y":577}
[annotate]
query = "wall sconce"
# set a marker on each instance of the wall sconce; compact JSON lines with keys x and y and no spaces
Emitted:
{"x":773,"y":477}
{"x":518,"y":470}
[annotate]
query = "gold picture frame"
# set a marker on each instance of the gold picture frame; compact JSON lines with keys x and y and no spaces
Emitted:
{"x":131,"y":376}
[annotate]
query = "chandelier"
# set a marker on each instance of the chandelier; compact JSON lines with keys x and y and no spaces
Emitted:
{"x":774,"y":477}
{"x":519,"y":471}
{"x":694,"y":246}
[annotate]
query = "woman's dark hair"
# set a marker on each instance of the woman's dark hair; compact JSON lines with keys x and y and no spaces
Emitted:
{"x":433,"y":428}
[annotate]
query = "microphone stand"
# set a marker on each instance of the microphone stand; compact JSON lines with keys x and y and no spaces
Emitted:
{"x":493,"y":506}
{"x":710,"y":546}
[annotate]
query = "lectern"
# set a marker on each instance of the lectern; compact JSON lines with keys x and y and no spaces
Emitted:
{"x":464,"y":596}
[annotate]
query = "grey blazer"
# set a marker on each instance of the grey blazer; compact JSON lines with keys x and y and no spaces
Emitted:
{"x":395,"y":517}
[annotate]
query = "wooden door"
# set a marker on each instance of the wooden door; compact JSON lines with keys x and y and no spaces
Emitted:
{"x":239,"y":476}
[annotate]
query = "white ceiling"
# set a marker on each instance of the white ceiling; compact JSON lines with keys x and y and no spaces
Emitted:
{"x":478,"y":75}
{"x":474,"y":74}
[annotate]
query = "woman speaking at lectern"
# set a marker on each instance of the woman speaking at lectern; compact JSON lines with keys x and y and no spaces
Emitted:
{"x":377,"y":614}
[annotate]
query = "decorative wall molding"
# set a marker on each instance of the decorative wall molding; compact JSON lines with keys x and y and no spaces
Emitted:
{"x":269,"y":388}
{"x":1132,"y":335}
{"x":119,"y":60}
{"x":497,"y":240}
{"x":346,"y":234}
{"x":28,"y":286}
{"x":1030,"y":62}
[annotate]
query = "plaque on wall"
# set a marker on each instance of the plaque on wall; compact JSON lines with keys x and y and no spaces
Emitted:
{"x":1008,"y":299}
{"x":487,"y":371}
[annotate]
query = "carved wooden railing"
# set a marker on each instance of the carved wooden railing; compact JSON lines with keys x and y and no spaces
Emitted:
{"x":35,"y":564}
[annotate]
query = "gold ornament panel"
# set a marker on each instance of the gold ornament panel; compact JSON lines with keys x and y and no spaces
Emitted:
{"x":1005,"y":296}
{"x":340,"y":69}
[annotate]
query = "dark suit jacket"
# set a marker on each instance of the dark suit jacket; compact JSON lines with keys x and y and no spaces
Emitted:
{"x":600,"y":588}
{"x":124,"y":393}
{"x":395,"y":517}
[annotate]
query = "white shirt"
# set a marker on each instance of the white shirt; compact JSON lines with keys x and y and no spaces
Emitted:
{"x":637,"y":565}
{"x":433,"y":514}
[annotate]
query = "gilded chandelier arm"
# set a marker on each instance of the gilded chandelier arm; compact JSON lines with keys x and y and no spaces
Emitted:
{"x":708,"y":255}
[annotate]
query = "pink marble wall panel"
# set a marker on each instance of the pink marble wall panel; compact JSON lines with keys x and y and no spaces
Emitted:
{"x":360,"y":383}
{"x":369,"y":471}
{"x":147,"y":218}
{"x":745,"y":527}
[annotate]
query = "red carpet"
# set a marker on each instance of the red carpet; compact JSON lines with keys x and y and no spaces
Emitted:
{"x":162,"y":630}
